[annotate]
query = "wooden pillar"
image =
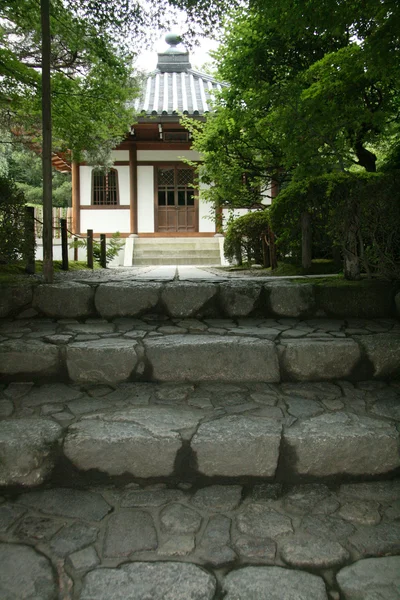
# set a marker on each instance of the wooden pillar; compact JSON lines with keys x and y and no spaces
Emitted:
{"x":272,"y":249}
{"x":76,"y":201}
{"x":306,"y":240}
{"x":133,"y":189}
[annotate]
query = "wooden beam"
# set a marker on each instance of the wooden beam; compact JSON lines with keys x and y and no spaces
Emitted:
{"x":76,"y":219}
{"x":133,"y":189}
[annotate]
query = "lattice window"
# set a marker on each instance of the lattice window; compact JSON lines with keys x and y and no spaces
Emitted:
{"x":105,"y":188}
{"x":185,"y":177}
{"x":166,"y":177}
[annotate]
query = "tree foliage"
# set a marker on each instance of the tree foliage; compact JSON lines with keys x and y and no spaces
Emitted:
{"x":314,"y":88}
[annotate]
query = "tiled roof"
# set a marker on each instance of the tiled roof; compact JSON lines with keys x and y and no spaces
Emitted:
{"x":174,"y":87}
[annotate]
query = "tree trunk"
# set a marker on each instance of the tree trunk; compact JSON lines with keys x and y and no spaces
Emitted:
{"x":350,"y":254}
{"x":46,"y":150}
{"x":366,"y":158}
{"x":306,"y":241}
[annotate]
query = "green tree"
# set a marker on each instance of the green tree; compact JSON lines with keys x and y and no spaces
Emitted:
{"x":312,"y":90}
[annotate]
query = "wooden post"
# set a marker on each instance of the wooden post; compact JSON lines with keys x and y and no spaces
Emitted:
{"x":90,"y":248}
{"x":46,"y":146}
{"x":76,"y":222}
{"x":30,"y":239}
{"x":75,"y":249}
{"x":64,"y":244}
{"x":103,"y":256}
{"x":133,"y":190}
{"x":306,"y":241}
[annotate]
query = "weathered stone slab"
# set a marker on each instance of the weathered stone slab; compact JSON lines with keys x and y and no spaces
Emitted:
{"x":31,"y":358}
{"x":261,"y":520}
{"x":177,"y":518}
{"x":377,"y":540}
{"x":377,"y":491}
{"x":73,"y":538}
{"x":24,"y":573}
{"x":14,"y":298}
{"x":212,"y":358}
{"x":129,"y":531}
{"x":64,"y":300}
{"x":29,"y":449}
{"x":383,"y":350}
{"x":309,"y":552}
{"x":141,"y":442}
{"x":65,"y":502}
{"x":239,"y":299}
{"x":290,"y":299}
{"x":237,"y":446}
{"x":214,"y":547}
{"x":126,"y":299}
{"x":101,"y":361}
{"x":218,"y":497}
{"x":371,"y":575}
{"x":315,"y":360}
{"x":341,"y":444}
{"x":273,"y":583}
{"x":189,"y":299}
{"x":156,"y":580}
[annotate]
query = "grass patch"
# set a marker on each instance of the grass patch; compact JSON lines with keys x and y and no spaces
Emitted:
{"x":286,"y":269}
{"x":15,"y":272}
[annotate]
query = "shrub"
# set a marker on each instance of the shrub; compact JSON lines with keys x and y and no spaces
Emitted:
{"x":112,"y":249}
{"x":244,"y":237}
{"x":360,"y":212}
{"x":14,"y":242}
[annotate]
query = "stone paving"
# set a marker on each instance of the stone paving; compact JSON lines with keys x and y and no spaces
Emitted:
{"x":153,"y":542}
{"x":183,"y":431}
{"x":156,"y":348}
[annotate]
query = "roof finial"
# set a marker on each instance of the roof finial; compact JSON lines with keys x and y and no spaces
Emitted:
{"x":173,"y":40}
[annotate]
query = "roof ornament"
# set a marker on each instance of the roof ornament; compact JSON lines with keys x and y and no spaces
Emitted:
{"x":173,"y":59}
{"x":173,"y":40}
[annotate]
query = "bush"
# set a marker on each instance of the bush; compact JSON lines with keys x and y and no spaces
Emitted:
{"x":112,"y":249}
{"x":244,"y":237}
{"x":359,"y":212}
{"x":14,"y":242}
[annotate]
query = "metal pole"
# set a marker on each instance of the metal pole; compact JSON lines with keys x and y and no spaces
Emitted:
{"x":46,"y":150}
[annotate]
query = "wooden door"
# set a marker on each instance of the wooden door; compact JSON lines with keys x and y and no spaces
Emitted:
{"x":176,"y":200}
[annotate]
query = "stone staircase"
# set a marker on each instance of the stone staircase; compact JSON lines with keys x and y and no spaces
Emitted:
{"x":206,"y":441}
{"x":176,"y":251}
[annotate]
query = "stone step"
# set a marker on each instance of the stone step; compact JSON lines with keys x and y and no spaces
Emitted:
{"x":223,"y":299}
{"x":199,"y":431}
{"x":173,"y":259}
{"x":259,"y":542}
{"x":155,"y":348}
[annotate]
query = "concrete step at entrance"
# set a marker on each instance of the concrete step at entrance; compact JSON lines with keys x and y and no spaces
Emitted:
{"x":180,"y":251}
{"x":158,"y":349}
{"x":310,"y":541}
{"x":194,"y":431}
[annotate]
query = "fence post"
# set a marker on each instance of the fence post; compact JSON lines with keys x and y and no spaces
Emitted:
{"x":30,"y":239}
{"x":103,"y":256}
{"x":75,"y":248}
{"x":90,"y":248}
{"x":64,"y":244}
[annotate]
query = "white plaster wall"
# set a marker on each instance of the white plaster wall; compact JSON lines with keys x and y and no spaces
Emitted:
{"x":145,"y":187}
{"x":123,"y":182}
{"x":166,"y":155}
{"x":106,"y":220}
{"x":206,"y":214}
{"x":85,"y":184}
{"x":120,"y":154}
{"x":228,"y":213}
{"x":267,"y":196}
